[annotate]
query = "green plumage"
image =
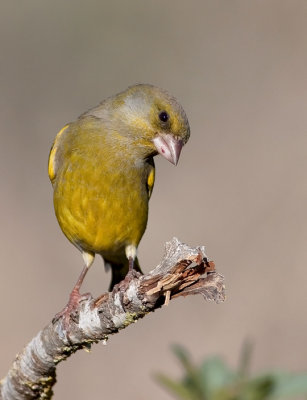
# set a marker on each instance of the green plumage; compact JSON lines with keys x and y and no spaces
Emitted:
{"x":102,"y":170}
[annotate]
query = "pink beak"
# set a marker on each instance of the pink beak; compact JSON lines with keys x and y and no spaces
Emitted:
{"x":168,"y":147}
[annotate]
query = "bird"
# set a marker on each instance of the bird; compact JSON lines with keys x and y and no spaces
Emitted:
{"x":102,"y":171}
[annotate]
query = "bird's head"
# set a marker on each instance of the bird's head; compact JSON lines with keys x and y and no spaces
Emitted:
{"x":152,"y":119}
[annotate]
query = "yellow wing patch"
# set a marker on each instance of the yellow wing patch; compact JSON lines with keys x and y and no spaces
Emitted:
{"x":151,"y":180}
{"x":52,"y":164}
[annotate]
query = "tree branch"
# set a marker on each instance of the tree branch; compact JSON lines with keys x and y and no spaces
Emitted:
{"x":183,"y":271}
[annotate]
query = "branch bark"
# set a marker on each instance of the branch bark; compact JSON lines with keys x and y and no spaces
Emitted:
{"x":183,"y":271}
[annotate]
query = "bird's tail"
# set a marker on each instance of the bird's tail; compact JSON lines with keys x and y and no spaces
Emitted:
{"x":120,"y":270}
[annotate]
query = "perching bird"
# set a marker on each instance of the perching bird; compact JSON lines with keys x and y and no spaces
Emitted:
{"x":102,"y":170}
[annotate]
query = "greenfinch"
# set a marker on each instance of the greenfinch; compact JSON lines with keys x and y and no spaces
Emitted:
{"x":102,"y":171}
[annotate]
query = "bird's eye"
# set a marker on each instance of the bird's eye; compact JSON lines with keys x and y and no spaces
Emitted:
{"x":163,"y":116}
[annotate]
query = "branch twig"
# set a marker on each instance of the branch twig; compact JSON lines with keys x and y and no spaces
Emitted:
{"x":183,"y":271}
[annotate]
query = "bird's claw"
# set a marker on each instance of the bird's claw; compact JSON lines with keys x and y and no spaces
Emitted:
{"x":70,"y":309}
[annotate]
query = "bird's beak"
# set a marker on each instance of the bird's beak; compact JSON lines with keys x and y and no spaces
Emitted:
{"x":168,"y":147}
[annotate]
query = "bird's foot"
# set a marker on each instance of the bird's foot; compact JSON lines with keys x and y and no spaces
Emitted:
{"x":70,"y":309}
{"x":132,"y":274}
{"x":124,"y":283}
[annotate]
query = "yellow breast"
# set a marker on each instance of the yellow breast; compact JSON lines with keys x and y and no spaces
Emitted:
{"x":100,"y":196}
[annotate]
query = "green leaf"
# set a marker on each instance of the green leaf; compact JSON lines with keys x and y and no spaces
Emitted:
{"x":289,"y":385}
{"x":183,"y":356}
{"x":259,"y":388}
{"x":213,"y":380}
{"x":214,"y":375}
{"x":193,"y":379}
{"x":245,"y":359}
{"x":177,"y":388}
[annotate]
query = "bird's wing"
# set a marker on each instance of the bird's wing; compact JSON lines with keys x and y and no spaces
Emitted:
{"x":55,"y":156}
{"x":150,"y":176}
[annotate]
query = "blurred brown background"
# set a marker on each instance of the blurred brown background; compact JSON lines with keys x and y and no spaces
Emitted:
{"x":239,"y":69}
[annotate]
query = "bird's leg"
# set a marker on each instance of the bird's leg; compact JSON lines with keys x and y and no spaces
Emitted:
{"x":132,"y":272}
{"x":131,"y":262}
{"x":74,"y":298}
{"x":130,"y":251}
